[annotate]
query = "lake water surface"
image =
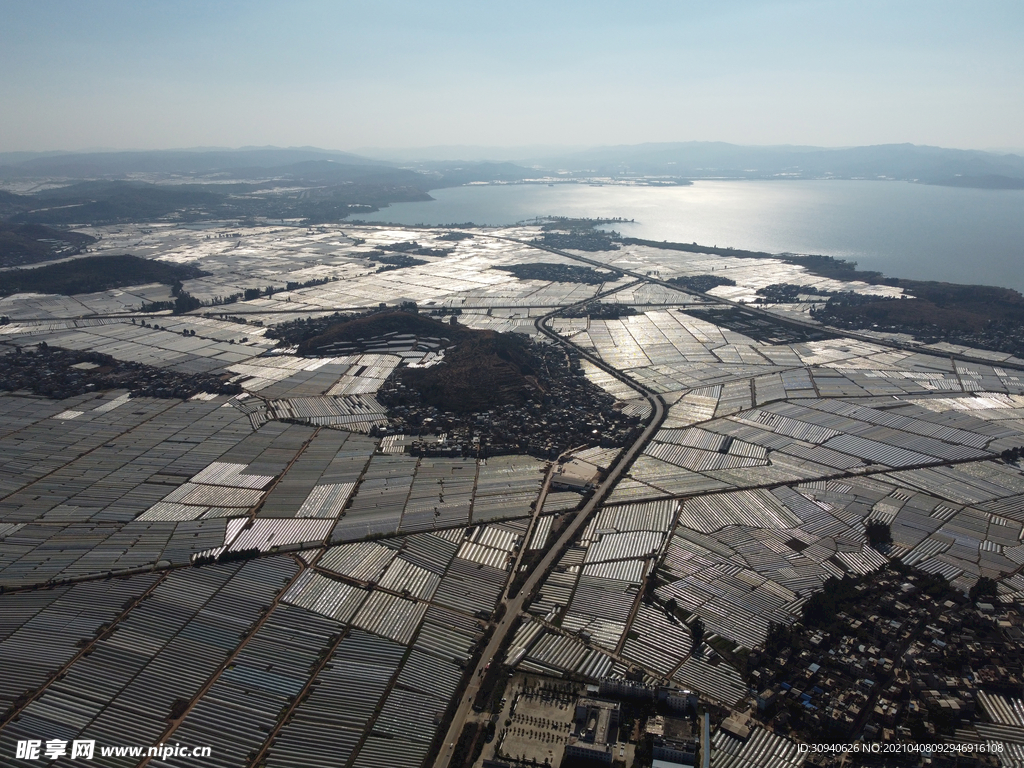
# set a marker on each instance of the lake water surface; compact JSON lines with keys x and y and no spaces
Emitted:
{"x":899,"y":228}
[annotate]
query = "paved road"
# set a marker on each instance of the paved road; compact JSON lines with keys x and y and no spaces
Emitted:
{"x":515,"y":605}
{"x":772,"y":316}
{"x":528,"y":536}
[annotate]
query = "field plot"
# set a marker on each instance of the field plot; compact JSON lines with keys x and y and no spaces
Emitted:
{"x":36,"y":308}
{"x":644,"y":295}
{"x":162,"y":348}
{"x":364,"y":631}
{"x":180,"y":636}
{"x":402,"y":493}
{"x":77,"y":486}
{"x":166,"y":477}
{"x":821,"y":438}
{"x":79,"y":611}
{"x":786,"y":541}
{"x":503,"y":320}
{"x":749,"y":274}
{"x":595,"y":589}
{"x":269,"y":572}
{"x":670,"y":351}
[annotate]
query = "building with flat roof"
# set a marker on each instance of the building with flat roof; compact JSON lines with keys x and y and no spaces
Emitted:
{"x":673,"y":740}
{"x":595,"y":731}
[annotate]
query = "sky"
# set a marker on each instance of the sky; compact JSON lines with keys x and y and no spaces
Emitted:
{"x":151,"y":74}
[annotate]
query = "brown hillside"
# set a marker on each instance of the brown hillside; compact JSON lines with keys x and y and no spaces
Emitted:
{"x":484,"y":370}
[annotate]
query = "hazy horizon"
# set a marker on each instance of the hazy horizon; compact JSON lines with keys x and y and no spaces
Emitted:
{"x":455,"y":153}
{"x":405,"y":77}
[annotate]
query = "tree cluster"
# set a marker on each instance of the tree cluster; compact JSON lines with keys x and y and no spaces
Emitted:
{"x":984,"y":588}
{"x":22,"y":244}
{"x":701,"y":283}
{"x":579,"y":240}
{"x":560,"y":273}
{"x":789,"y":293}
{"x":50,"y":372}
{"x":93,"y":274}
{"x":878,"y":533}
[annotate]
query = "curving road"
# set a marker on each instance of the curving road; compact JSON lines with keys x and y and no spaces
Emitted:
{"x":515,"y":605}
{"x":755,"y":310}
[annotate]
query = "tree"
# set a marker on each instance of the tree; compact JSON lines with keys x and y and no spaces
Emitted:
{"x":697,"y":631}
{"x":185,"y":302}
{"x":780,"y":637}
{"x":821,"y":609}
{"x":178,"y":708}
{"x":983,"y":588}
{"x":878,"y":533}
{"x":670,"y":606}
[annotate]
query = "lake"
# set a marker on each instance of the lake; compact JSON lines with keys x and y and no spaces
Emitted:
{"x":899,"y":228}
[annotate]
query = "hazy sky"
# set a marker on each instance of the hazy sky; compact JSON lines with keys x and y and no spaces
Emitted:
{"x":342,"y":75}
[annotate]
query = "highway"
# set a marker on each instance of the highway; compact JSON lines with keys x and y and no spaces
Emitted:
{"x":514,"y":605}
{"x":772,"y":316}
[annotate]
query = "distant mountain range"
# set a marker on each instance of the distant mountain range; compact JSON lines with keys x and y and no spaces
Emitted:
{"x":686,"y":160}
{"x":312,"y":185}
{"x":932,"y":165}
{"x":170,"y":161}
